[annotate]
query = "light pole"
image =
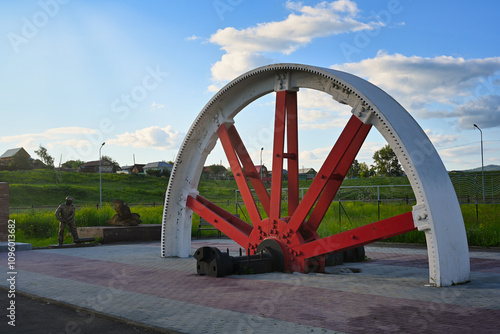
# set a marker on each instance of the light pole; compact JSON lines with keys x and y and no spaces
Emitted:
{"x":262,"y":149}
{"x":100,"y":176}
{"x":482,"y":158}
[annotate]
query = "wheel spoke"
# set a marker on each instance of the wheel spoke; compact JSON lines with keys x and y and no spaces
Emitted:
{"x":235,"y":228}
{"x":292,"y":130}
{"x":359,"y":236}
{"x":278,"y":148}
{"x":250,"y":170}
{"x":239,"y":175}
{"x":353,"y":134}
{"x":334,"y":184}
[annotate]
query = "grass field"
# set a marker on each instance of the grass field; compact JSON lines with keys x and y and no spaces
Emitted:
{"x":42,"y":187}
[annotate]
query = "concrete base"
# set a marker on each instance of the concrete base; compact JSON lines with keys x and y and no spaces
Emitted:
{"x":4,"y":246}
{"x":109,"y":234}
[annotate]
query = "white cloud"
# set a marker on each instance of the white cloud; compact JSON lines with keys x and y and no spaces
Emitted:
{"x":439,"y":140}
{"x":315,"y":158}
{"x":484,"y":111}
{"x":317,"y":110}
{"x":151,"y":137}
{"x":418,"y":82}
{"x":33,"y":140}
{"x":244,"y":48}
{"x":74,"y":143}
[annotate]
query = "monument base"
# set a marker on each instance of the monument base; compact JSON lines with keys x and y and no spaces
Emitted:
{"x":109,"y":234}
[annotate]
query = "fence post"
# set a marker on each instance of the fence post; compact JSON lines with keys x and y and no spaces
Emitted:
{"x":340,"y":214}
{"x":378,"y":208}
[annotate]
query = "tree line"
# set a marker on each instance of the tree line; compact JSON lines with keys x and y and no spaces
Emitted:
{"x":385,"y":163}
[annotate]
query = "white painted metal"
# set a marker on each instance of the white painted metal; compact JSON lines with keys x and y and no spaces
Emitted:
{"x":437,"y":211}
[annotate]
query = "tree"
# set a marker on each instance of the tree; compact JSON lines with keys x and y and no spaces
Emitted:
{"x":386,"y":162}
{"x":45,"y":156}
{"x":354,"y":169}
{"x":217,"y":171}
{"x":364,"y":170}
{"x":111,"y":161}
{"x":158,"y":172}
{"x":73,"y":164}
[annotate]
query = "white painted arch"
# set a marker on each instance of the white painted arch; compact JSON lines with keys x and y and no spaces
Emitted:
{"x":437,"y":211}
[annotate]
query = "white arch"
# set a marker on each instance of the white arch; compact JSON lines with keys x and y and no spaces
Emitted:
{"x":437,"y":211}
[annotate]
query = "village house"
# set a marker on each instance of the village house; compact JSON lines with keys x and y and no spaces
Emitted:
{"x":9,"y":155}
{"x":93,"y":167}
{"x":307,"y":173}
{"x":162,"y":166}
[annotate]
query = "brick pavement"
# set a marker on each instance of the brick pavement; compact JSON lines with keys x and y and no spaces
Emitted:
{"x":390,"y":294}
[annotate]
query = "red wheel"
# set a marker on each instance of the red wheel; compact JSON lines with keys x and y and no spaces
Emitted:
{"x":297,"y":230}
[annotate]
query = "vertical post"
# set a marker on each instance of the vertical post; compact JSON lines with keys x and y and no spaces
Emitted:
{"x":261,"y":149}
{"x":482,"y":160}
{"x":100,"y":176}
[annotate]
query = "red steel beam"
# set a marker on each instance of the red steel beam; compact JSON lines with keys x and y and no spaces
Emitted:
{"x":235,"y":228}
{"x":250,"y":169}
{"x":335,"y":182}
{"x":292,"y":132}
{"x":326,"y":172}
{"x":278,"y":151}
{"x":239,"y":175}
{"x":359,"y":236}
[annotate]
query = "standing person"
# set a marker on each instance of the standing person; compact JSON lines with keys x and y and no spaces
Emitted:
{"x":65,"y":213}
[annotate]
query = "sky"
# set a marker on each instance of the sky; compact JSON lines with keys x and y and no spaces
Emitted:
{"x":135,"y":74}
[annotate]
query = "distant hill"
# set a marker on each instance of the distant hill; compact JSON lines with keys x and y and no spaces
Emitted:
{"x":488,"y":168}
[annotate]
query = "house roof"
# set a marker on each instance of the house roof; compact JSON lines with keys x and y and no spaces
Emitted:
{"x":12,"y":152}
{"x":306,"y":170}
{"x":158,"y":164}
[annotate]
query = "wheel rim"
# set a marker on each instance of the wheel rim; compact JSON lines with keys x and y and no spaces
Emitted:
{"x":371,"y":107}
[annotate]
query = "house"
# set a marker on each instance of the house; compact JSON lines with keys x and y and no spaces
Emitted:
{"x":93,"y":167}
{"x":162,"y":166}
{"x":9,"y":155}
{"x":307,"y":173}
{"x":137,"y":169}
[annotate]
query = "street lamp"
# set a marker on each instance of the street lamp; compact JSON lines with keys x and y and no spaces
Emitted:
{"x":100,"y":176}
{"x":482,"y":159}
{"x":262,"y":149}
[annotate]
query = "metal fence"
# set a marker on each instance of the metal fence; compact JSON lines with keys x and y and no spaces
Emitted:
{"x":472,"y":188}
{"x":469,"y":188}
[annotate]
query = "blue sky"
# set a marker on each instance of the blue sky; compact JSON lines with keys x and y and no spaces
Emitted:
{"x":135,"y":74}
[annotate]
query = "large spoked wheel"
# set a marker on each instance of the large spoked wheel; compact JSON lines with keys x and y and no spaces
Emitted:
{"x":296,"y":232}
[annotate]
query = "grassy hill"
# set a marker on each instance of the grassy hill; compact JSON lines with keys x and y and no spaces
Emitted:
{"x":46,"y":187}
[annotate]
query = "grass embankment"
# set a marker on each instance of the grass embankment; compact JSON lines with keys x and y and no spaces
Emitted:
{"x":47,"y":187}
{"x":42,"y":187}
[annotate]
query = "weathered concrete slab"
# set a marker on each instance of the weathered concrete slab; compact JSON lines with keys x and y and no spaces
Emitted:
{"x":110,"y":234}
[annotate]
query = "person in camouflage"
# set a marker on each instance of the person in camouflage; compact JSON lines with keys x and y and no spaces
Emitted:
{"x":65,"y":213}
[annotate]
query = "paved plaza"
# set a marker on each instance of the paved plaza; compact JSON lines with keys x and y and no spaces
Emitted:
{"x":389,"y":293}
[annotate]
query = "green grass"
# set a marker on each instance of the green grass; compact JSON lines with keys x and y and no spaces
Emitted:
{"x":48,"y":188}
{"x":40,"y":227}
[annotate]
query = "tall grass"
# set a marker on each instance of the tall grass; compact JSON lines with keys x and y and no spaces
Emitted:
{"x":40,"y":228}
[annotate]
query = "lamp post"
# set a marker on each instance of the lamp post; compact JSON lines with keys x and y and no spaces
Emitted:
{"x":262,"y":149}
{"x":100,"y":176}
{"x":482,"y":159}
